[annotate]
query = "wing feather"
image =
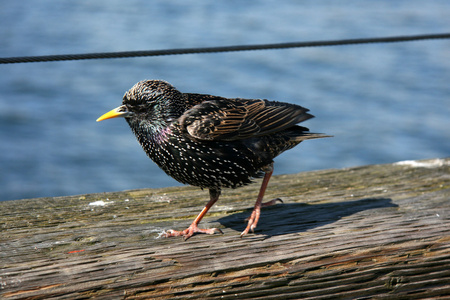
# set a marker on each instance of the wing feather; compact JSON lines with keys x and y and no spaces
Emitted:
{"x":232,"y":119}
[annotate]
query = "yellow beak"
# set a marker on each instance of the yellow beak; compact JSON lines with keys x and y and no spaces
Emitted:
{"x":120,"y":111}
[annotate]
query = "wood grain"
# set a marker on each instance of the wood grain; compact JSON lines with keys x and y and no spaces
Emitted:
{"x":371,"y":232}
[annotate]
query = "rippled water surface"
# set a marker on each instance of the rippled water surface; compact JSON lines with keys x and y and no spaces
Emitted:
{"x":382,"y":102}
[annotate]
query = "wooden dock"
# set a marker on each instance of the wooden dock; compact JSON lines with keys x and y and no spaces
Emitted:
{"x":371,"y":232}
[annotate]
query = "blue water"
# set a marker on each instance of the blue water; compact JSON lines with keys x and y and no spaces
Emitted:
{"x":382,"y":102}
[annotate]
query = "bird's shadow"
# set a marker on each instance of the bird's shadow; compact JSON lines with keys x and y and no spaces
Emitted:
{"x":299,"y":217}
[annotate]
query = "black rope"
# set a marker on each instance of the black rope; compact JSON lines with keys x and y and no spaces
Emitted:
{"x":25,"y":59}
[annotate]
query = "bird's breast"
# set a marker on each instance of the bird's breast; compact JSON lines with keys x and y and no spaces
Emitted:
{"x":199,"y":163}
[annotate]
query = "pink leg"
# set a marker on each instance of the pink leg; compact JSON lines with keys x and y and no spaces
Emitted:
{"x":254,"y":217}
{"x":193,"y":228}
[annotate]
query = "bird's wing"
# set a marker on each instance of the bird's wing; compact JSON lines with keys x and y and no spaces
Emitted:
{"x":232,"y":119}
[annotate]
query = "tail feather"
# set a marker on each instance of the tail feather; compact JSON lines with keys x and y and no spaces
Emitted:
{"x":309,"y":136}
{"x":300,"y":133}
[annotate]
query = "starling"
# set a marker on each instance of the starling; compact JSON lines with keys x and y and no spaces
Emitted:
{"x":209,"y":141}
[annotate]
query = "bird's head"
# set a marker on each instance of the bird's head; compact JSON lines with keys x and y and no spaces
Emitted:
{"x":151,"y":104}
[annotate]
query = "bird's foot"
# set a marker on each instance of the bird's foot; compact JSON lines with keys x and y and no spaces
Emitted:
{"x":271,"y":202}
{"x":190,"y":231}
{"x":251,"y":225}
{"x":254,"y":217}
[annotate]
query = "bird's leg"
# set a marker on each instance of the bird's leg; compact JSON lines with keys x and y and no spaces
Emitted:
{"x":193,"y":228}
{"x":254,"y":217}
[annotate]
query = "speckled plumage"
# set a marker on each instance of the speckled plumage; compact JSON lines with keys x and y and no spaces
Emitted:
{"x":209,"y":141}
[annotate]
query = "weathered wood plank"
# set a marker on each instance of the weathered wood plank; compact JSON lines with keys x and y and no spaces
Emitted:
{"x":375,"y":231}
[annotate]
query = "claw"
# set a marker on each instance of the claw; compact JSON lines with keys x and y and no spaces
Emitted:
{"x":272,"y":202}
